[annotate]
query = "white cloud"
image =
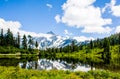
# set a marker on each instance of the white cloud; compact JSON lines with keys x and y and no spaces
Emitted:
{"x":83,"y":38}
{"x":117,"y":30}
{"x":104,"y":8}
{"x":15,"y":26}
{"x":115,"y":9}
{"x":66,"y":32}
{"x":82,"y":14}
{"x":97,"y":29}
{"x":57,"y":18}
{"x":113,"y":2}
{"x":49,"y":5}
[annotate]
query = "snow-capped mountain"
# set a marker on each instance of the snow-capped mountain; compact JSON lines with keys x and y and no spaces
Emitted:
{"x":50,"y":40}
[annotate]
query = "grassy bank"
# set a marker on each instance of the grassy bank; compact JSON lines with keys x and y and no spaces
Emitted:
{"x":17,"y":55}
{"x":17,"y":73}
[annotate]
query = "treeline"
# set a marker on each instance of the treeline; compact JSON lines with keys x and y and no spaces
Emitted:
{"x":67,"y":49}
{"x":10,"y":43}
{"x":102,"y":44}
{"x":99,"y":43}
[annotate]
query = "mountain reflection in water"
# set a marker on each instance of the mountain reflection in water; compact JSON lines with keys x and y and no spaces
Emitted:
{"x":46,"y":64}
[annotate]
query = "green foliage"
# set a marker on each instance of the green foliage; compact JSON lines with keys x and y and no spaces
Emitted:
{"x":24,"y":42}
{"x":1,"y":38}
{"x":9,"y":38}
{"x":30,"y":42}
{"x":11,"y":45}
{"x":36,"y":44}
{"x":8,"y":49}
{"x":18,"y":41}
{"x":17,"y":73}
{"x":91,"y":44}
{"x":106,"y":54}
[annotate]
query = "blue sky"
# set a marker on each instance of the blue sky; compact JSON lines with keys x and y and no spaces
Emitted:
{"x":74,"y":18}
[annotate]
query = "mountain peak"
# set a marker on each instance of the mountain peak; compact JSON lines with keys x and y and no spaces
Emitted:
{"x":50,"y":32}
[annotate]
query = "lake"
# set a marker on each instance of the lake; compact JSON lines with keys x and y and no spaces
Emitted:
{"x":41,"y":63}
{"x":48,"y":64}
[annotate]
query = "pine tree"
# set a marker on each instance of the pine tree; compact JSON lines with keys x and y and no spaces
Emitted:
{"x":30,"y":42}
{"x":9,"y":38}
{"x":112,"y":41}
{"x":106,"y":45}
{"x":24,"y":42}
{"x":36,"y":44}
{"x":119,"y":38}
{"x":106,"y":53}
{"x":91,"y":44}
{"x":119,"y":42}
{"x":1,"y":38}
{"x":73,"y":46}
{"x":18,"y":40}
{"x":15,"y":41}
{"x":81,"y":47}
{"x":61,"y":49}
{"x":68,"y":49}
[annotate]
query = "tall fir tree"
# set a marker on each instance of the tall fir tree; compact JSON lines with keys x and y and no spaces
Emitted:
{"x":119,"y":42}
{"x":81,"y":47}
{"x":61,"y":49}
{"x":106,"y":45}
{"x":1,"y":38}
{"x":9,"y":38}
{"x":91,"y":44}
{"x":73,"y":46}
{"x":36,"y":44}
{"x":106,"y":53}
{"x":30,"y":42}
{"x":24,"y":42}
{"x":18,"y":40}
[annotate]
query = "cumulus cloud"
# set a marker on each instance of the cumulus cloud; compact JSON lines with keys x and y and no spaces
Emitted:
{"x":83,"y":14}
{"x":15,"y":26}
{"x":115,"y":9}
{"x":66,"y":32}
{"x":57,"y":18}
{"x":117,"y":30}
{"x":49,"y":5}
{"x":97,"y":29}
{"x":104,"y":8}
{"x":83,"y":38}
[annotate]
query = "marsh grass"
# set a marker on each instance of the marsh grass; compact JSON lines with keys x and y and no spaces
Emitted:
{"x":18,"y":73}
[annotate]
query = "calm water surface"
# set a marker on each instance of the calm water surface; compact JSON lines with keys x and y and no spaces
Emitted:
{"x":59,"y":64}
{"x":47,"y":64}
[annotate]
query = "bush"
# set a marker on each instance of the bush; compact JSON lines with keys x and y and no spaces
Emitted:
{"x":17,"y":73}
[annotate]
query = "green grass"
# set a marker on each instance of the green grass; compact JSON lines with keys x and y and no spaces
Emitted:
{"x":93,"y":55}
{"x":18,"y":73}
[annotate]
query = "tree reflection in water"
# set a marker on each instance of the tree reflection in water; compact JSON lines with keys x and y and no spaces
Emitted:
{"x":47,"y":64}
{"x":71,"y":64}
